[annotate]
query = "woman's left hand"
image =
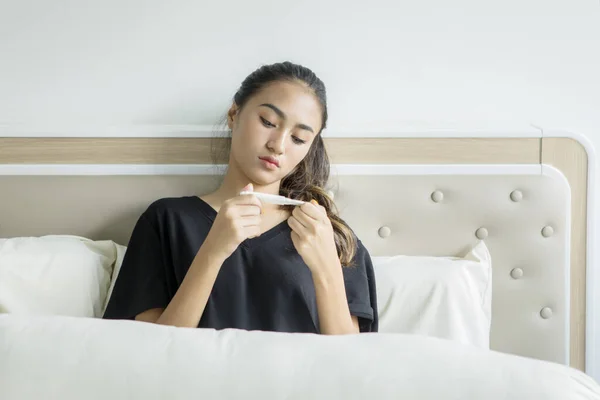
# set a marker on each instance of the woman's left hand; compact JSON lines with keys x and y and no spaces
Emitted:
{"x":312,"y":235}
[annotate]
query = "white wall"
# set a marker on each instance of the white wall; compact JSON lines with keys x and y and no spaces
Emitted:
{"x":385,"y":62}
{"x":126,"y":61}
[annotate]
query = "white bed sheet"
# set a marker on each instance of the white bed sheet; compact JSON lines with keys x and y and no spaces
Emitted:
{"x":85,"y":358}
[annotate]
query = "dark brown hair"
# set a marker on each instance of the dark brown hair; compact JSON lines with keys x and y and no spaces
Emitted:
{"x":310,"y":177}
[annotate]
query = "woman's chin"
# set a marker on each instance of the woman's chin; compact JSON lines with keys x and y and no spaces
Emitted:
{"x":263,"y":178}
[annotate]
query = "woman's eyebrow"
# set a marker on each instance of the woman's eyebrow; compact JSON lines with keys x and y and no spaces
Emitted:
{"x":282,"y":115}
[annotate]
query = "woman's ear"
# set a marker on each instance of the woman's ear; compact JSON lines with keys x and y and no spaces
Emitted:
{"x":232,"y":115}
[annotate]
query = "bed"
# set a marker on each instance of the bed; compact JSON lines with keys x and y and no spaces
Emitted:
{"x":421,"y":197}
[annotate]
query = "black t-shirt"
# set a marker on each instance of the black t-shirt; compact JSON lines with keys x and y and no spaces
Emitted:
{"x":264,"y":285}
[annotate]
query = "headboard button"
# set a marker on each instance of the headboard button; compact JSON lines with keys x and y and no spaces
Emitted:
{"x":516,"y":195}
{"x":481,"y":233}
{"x":516,"y":273}
{"x":546,"y":313}
{"x":437,"y":196}
{"x":385,"y":231}
{"x":547,"y":231}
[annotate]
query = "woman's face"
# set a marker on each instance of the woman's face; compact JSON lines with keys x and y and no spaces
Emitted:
{"x":274,"y":131}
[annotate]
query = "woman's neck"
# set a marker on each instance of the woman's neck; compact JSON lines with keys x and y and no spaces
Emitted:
{"x":233,"y":183}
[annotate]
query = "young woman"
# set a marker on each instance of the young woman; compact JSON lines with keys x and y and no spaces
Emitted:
{"x":225,"y":260}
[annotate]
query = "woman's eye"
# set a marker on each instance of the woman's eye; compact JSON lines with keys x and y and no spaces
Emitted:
{"x":266,"y":123}
{"x":298,"y":140}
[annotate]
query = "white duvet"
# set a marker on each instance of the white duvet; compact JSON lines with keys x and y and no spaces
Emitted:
{"x":83,"y":358}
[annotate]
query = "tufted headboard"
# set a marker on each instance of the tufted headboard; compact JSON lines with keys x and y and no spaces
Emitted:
{"x":526,"y":197}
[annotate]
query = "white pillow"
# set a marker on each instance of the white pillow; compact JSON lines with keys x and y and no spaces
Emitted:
{"x":444,"y":297}
{"x":56,"y":275}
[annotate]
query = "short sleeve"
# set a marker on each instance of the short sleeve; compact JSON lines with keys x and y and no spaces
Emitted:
{"x":141,"y":283}
{"x":359,"y":280}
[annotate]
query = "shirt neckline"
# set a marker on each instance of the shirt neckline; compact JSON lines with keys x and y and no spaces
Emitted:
{"x":281,"y":227}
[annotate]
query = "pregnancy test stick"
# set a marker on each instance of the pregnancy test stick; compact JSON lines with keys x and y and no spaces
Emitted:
{"x":274,"y":199}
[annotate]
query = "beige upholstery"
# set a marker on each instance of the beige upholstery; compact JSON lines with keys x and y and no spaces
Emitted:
{"x":522,"y":218}
{"x":530,"y":270}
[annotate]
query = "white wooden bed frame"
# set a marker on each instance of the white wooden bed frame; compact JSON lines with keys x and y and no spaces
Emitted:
{"x":528,"y":194}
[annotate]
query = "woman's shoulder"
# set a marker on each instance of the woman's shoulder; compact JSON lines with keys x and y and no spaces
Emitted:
{"x":173,"y":209}
{"x":165,"y":204}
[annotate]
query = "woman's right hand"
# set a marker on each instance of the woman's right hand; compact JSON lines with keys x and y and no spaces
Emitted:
{"x":238,"y":219}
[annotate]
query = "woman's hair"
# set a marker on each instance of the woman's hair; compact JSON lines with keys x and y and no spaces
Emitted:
{"x":308,"y":180}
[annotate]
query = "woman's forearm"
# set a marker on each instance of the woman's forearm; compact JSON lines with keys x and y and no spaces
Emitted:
{"x":332,"y":303}
{"x":188,"y":304}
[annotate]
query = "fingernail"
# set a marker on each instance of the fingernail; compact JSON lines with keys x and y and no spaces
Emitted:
{"x":316,"y":203}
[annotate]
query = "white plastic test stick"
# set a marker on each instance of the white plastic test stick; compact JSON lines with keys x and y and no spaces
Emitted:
{"x":274,"y":199}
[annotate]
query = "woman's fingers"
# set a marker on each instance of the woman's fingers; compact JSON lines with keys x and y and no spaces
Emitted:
{"x":297,"y":227}
{"x":253,"y":231}
{"x":250,"y":221}
{"x":302,"y":217}
{"x":246,"y":200}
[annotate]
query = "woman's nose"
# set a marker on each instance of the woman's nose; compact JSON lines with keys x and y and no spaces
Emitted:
{"x":277,"y":143}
